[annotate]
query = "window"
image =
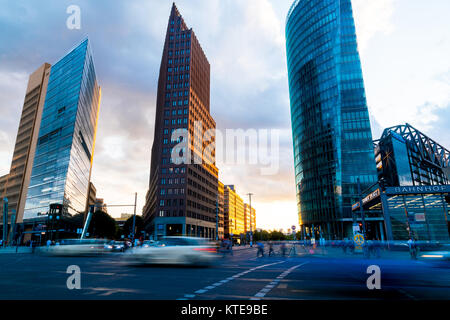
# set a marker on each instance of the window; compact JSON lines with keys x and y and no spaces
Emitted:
{"x":161,"y":203}
{"x":163,"y":192}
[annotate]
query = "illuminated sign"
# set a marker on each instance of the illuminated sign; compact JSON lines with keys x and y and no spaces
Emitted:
{"x":367,"y":199}
{"x":418,"y":189}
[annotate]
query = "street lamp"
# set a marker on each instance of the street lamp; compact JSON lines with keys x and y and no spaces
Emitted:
{"x":251,"y":231}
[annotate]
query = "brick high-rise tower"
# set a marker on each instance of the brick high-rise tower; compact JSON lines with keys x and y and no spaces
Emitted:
{"x":182,"y":194}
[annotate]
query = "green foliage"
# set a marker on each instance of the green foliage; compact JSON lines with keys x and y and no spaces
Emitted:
{"x":265,"y":235}
{"x":102,"y":225}
{"x":128,"y":226}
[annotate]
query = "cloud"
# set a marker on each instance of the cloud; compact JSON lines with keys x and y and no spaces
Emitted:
{"x":244,"y":42}
{"x":372,"y":17}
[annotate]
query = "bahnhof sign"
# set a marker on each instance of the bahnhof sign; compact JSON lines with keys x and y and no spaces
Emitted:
{"x":422,"y":212}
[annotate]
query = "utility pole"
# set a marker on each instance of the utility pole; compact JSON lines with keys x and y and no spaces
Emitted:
{"x":361,"y":209}
{"x":251,"y":231}
{"x":134,"y":217}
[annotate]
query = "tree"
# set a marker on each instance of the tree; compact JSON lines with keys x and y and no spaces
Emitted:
{"x":128,"y":226}
{"x":102,"y":225}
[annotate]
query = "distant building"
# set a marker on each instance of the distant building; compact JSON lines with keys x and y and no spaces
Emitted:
{"x":250,"y":219}
{"x":92,"y":196}
{"x":14,"y":185}
{"x":412,"y":197}
{"x":234,"y":216}
{"x":123,"y":218}
{"x":100,"y":205}
{"x":221,"y":203}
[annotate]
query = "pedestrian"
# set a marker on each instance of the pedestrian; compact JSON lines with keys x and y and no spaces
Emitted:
{"x":271,"y":251}
{"x":283,"y":249}
{"x":260,"y":249}
{"x":49,"y":243}
{"x":412,"y":248}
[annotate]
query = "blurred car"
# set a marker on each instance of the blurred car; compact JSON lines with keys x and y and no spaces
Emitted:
{"x":176,"y":250}
{"x":150,"y":243}
{"x":435,"y":256}
{"x":116,"y":246}
{"x":75,"y":247}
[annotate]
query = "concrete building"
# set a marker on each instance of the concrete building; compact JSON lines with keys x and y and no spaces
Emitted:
{"x":14,"y":185}
{"x":92,"y":196}
{"x":183,"y":177}
{"x":234,"y":216}
{"x":250,"y":219}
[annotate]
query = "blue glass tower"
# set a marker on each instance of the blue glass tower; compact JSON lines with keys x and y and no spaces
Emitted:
{"x":330,"y":121}
{"x":64,"y":152}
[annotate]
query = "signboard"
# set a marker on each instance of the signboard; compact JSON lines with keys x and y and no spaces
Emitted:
{"x":359,"y":241}
{"x":418,"y":189}
{"x":368,"y":198}
{"x":372,"y":196}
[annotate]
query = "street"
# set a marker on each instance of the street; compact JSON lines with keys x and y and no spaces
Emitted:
{"x":241,"y":276}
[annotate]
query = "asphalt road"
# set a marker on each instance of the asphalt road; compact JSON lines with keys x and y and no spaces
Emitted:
{"x":241,"y":276}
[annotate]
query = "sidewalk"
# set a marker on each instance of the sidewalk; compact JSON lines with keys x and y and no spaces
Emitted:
{"x":329,"y":252}
{"x":21,"y":249}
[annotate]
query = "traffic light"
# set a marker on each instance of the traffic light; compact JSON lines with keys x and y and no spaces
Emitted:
{"x":55,"y":211}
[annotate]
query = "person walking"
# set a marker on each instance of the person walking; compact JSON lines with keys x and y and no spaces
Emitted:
{"x":271,"y":251}
{"x":412,"y":248}
{"x":283,"y":249}
{"x":260,"y":249}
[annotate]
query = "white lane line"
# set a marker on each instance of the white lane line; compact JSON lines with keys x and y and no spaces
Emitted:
{"x":219,"y":283}
{"x":271,"y":285}
{"x":200,"y":291}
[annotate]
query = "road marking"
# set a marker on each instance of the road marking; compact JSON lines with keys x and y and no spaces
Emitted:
{"x":201,"y":291}
{"x":270,"y":286}
{"x":219,"y":283}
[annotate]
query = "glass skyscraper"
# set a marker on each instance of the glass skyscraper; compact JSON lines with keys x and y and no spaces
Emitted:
{"x":330,"y":121}
{"x":64,"y":152}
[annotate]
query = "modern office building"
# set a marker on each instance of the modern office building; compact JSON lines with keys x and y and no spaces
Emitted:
{"x":92,"y":197}
{"x":413,"y":193}
{"x":183,"y":177}
{"x":329,"y":115}
{"x":220,"y":207}
{"x":64,"y":152}
{"x":250,"y":218}
{"x":234,"y":215}
{"x":14,"y":186}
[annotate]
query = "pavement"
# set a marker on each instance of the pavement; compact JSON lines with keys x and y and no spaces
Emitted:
{"x":243,"y":276}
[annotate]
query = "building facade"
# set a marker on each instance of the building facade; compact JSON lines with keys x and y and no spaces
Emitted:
{"x":183,"y":177}
{"x":14,"y":186}
{"x":413,"y":193}
{"x":250,"y":218}
{"x":63,"y":158}
{"x":234,"y":215}
{"x":329,"y":115}
{"x":220,"y":208}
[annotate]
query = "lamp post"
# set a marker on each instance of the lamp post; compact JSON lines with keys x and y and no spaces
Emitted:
{"x":134,"y":218}
{"x":251,"y":231}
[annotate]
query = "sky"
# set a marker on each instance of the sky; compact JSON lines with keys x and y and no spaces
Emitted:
{"x":404,"y":47}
